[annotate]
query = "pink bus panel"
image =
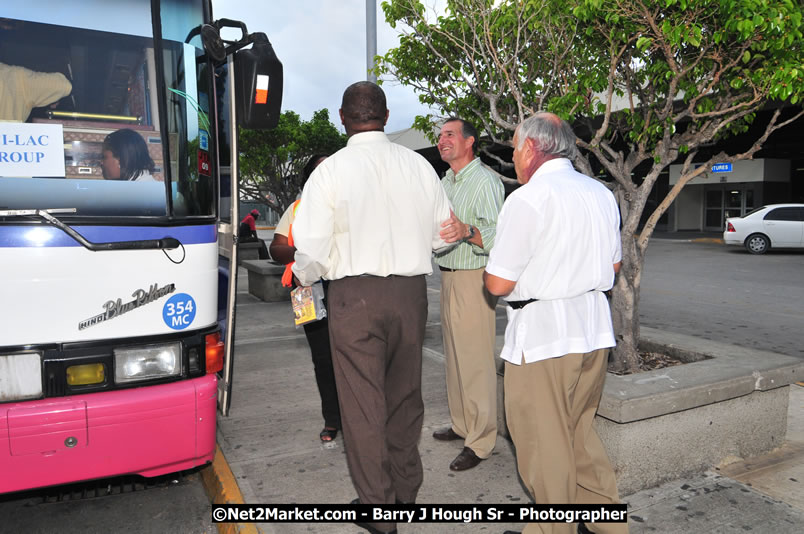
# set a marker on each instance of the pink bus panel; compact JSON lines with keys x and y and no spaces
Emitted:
{"x":150,"y":431}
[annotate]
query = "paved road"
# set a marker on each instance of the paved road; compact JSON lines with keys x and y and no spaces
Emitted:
{"x":175,"y":505}
{"x":725,"y":294}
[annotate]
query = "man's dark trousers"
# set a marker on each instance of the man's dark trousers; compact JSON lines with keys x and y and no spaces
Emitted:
{"x":376,"y":329}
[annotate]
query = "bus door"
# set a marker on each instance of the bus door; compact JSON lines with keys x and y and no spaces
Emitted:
{"x":227,"y":281}
{"x":251,"y":91}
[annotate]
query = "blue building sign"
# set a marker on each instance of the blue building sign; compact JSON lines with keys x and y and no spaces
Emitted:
{"x":721,"y":167}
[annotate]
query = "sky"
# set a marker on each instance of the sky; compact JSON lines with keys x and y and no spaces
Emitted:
{"x":322,"y":46}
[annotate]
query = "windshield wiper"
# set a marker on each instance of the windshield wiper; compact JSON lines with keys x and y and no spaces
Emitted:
{"x":142,"y":244}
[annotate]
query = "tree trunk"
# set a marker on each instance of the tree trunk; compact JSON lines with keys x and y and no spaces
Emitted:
{"x":625,"y":309}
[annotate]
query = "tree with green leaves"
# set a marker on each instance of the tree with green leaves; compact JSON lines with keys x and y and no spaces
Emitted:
{"x":645,"y":83}
{"x":271,"y":160}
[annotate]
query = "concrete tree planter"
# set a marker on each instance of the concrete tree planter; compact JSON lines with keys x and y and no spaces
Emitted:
{"x":265,"y":280}
{"x":727,"y":402}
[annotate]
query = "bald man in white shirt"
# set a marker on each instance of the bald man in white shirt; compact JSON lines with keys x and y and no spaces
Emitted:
{"x":557,"y":250}
{"x":369,"y":219}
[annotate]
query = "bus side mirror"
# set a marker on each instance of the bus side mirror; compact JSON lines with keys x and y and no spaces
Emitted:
{"x":258,"y":77}
{"x":213,"y":44}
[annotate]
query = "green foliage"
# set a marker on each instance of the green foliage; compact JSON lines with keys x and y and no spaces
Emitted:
{"x":271,"y":160}
{"x":722,"y":58}
{"x":666,"y":73}
{"x":643,"y":82}
{"x":482,"y":60}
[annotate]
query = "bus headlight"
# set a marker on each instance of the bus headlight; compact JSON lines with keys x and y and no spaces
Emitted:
{"x":147,"y":363}
{"x":20,"y":376}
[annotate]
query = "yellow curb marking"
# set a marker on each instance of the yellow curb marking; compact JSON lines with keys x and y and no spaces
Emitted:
{"x":222,"y":488}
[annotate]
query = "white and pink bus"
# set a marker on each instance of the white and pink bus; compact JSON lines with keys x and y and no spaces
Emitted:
{"x":116,"y":304}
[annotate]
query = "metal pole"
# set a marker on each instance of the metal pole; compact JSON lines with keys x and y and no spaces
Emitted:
{"x":225,"y":396}
{"x":371,"y":38}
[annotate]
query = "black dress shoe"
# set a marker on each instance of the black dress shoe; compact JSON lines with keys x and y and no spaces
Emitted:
{"x":373,"y":530}
{"x":583,"y":530}
{"x":368,"y":527}
{"x":467,"y":459}
{"x":446,"y":434}
{"x":512,"y":532}
{"x":396,"y":501}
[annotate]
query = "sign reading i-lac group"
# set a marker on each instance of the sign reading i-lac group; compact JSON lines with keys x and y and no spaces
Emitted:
{"x":31,"y":150}
{"x":721,"y":167}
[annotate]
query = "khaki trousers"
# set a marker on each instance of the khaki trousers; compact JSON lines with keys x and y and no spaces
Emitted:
{"x":376,"y":329}
{"x":550,"y":407}
{"x":468,"y":327}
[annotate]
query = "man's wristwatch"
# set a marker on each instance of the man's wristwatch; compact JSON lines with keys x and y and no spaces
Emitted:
{"x":471,"y":232}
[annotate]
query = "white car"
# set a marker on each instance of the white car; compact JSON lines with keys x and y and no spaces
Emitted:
{"x":772,"y":226}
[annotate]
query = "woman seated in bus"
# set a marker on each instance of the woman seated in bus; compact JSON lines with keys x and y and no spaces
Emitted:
{"x":126,"y":157}
{"x":317,"y":332}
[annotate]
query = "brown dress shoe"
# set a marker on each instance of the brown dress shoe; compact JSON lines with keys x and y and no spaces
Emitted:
{"x":467,"y":459}
{"x":446,"y":434}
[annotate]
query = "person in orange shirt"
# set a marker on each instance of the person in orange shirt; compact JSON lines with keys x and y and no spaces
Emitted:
{"x":317,"y":332}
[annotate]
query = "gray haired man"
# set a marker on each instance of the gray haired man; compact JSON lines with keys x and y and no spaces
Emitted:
{"x":557,"y":250}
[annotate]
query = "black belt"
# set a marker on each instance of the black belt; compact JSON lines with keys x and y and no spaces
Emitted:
{"x":517,"y":304}
{"x":447,"y":269}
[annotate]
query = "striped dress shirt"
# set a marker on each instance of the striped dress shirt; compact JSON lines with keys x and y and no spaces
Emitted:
{"x":477,"y":195}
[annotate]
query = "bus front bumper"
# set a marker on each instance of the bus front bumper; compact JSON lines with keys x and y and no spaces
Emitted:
{"x":149,"y":431}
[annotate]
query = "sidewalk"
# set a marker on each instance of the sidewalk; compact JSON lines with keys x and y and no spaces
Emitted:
{"x":686,"y":236}
{"x":270,"y":441}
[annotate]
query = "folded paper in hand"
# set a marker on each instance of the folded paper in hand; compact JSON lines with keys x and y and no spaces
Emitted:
{"x":308,"y":304}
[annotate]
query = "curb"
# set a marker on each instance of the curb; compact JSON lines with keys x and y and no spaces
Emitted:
{"x":221,"y":487}
{"x":707,"y":240}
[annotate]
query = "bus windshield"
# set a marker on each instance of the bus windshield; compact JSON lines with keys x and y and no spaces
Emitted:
{"x":104,"y":112}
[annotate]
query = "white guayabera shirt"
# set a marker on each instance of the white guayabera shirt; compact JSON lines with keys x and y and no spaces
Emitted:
{"x":558,"y":237}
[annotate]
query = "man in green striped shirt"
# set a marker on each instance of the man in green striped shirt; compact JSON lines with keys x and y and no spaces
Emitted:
{"x":467,"y":309}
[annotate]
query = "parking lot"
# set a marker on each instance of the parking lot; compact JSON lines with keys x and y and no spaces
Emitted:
{"x":725,"y":294}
